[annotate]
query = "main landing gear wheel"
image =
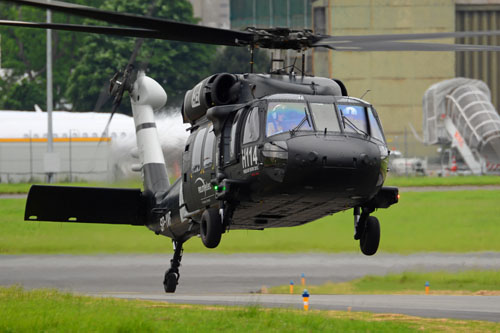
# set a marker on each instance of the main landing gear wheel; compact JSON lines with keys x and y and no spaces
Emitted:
{"x":370,"y":238}
{"x":211,"y":228}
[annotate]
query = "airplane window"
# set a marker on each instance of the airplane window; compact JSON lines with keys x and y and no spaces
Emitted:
{"x":209,"y":145}
{"x":325,"y":116}
{"x":375,"y":129}
{"x":286,"y":116}
{"x":355,"y":118}
{"x":252,"y":127}
{"x":196,"y":157}
{"x":232,"y":152}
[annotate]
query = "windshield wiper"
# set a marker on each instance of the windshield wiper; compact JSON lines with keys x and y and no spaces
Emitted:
{"x":350,"y":123}
{"x":296,"y":128}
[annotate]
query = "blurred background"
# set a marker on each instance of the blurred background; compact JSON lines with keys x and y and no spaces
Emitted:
{"x":428,"y":132}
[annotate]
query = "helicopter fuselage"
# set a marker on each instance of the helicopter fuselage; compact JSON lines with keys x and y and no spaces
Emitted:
{"x":329,"y":155}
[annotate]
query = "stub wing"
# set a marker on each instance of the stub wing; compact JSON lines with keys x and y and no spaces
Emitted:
{"x":85,"y":205}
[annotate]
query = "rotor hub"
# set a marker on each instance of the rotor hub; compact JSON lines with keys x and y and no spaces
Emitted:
{"x":282,"y":38}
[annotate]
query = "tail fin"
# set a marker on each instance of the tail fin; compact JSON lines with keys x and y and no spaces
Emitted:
{"x":147,"y":95}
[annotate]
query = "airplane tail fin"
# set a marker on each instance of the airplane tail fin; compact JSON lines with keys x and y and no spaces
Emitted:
{"x":147,"y":95}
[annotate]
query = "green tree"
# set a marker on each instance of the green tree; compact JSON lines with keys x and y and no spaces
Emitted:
{"x":176,"y":66}
{"x":84,"y":63}
{"x":23,"y":82}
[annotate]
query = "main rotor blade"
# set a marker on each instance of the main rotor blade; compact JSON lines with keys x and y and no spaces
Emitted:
{"x":168,"y":29}
{"x":337,"y":40}
{"x":127,"y":32}
{"x":409,"y":46}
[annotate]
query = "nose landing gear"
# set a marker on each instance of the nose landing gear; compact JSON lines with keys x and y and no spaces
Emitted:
{"x":366,"y":230}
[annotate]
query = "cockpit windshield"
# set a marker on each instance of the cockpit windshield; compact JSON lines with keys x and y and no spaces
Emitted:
{"x":286,"y":116}
{"x":322,"y":116}
{"x":354,"y":118}
{"x":325,"y":117}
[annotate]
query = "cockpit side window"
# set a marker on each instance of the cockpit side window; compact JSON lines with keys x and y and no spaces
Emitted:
{"x":196,"y":157}
{"x":286,"y":116}
{"x":252,"y":126}
{"x":355,"y":115}
{"x":208,"y":149}
{"x":325,"y":117}
{"x":232,"y":148}
{"x":375,"y":129}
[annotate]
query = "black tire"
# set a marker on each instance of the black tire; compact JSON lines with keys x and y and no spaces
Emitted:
{"x":211,"y":228}
{"x":170,"y":281}
{"x":370,"y":238}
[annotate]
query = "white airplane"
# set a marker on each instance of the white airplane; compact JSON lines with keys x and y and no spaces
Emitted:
{"x":26,"y":124}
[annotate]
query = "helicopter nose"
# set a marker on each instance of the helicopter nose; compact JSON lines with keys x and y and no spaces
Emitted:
{"x":333,"y":164}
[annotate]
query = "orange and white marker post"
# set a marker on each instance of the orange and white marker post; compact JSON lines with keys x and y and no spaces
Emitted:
{"x":453,"y":164}
{"x":291,"y":286}
{"x":305,"y":299}
{"x":427,"y":287}
{"x":303,"y":279}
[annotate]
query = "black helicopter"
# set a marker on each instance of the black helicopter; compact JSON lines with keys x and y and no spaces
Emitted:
{"x":265,"y":150}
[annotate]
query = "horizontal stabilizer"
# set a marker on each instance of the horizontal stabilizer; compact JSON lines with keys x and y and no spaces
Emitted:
{"x":85,"y":204}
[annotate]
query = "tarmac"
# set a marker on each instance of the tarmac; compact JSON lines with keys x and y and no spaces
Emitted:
{"x":237,"y":279}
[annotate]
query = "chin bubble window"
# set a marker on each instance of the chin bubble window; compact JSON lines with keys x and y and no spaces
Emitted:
{"x":287,"y":116}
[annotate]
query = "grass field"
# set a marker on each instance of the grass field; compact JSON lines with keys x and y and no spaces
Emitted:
{"x":455,"y":221}
{"x":14,"y":188}
{"x":463,"y":283}
{"x":18,"y":188}
{"x":52,"y":311}
{"x":442,"y":181}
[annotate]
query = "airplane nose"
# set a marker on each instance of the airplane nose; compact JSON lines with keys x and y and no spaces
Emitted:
{"x":335,"y":164}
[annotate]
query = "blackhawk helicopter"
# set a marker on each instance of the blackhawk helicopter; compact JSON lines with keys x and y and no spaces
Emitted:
{"x":265,"y":150}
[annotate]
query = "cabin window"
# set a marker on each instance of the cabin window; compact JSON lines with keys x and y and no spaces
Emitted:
{"x":196,"y":157}
{"x":354,"y":118}
{"x":208,"y":149}
{"x":286,"y":116}
{"x":375,"y":128}
{"x":232,"y":146}
{"x":325,"y":117}
{"x":252,"y":128}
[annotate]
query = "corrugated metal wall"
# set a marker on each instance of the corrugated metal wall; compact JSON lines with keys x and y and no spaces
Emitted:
{"x":294,"y":14}
{"x":480,"y":65}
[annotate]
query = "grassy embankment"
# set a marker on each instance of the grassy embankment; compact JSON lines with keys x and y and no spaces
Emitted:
{"x":442,"y":181}
{"x":455,"y":221}
{"x":52,"y":311}
{"x":463,"y":283}
{"x":20,"y":188}
{"x":16,"y":188}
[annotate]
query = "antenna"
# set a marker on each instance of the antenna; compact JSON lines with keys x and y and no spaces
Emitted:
{"x":303,"y":64}
{"x":366,"y":92}
{"x":251,"y":58}
{"x":293,"y":65}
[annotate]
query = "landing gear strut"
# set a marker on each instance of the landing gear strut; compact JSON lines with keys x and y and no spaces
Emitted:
{"x":172,"y":274}
{"x":366,"y":230}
